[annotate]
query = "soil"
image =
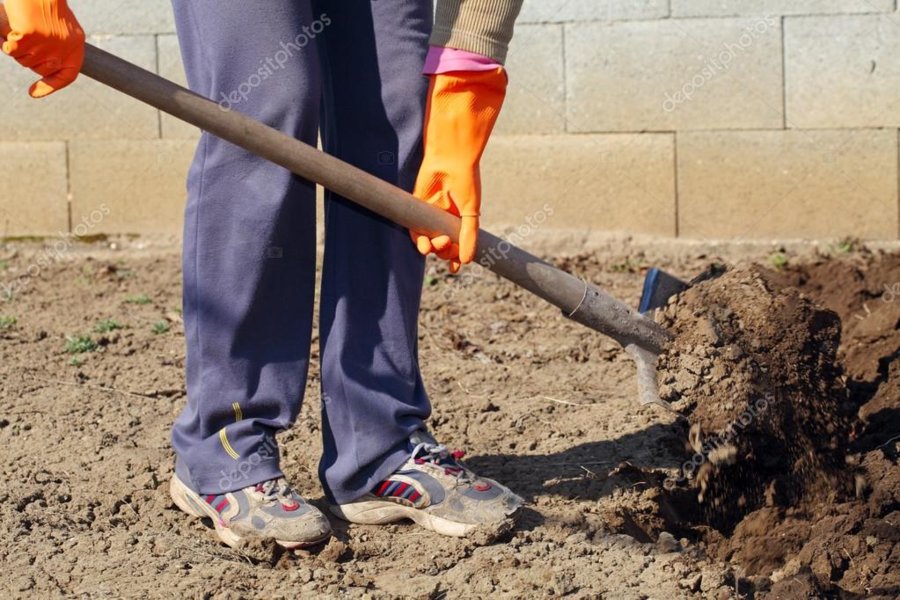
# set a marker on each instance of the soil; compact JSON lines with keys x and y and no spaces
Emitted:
{"x":804,"y":501}
{"x":753,"y":367}
{"x":795,"y":471}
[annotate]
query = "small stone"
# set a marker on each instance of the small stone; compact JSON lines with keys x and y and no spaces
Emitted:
{"x":667,"y":543}
{"x":576,"y":539}
{"x":724,"y":593}
{"x":692,"y":583}
{"x":733,"y":352}
{"x":335,"y":551}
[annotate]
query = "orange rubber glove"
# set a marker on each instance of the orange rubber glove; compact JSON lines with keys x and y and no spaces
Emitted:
{"x":45,"y":37}
{"x":463,"y":107}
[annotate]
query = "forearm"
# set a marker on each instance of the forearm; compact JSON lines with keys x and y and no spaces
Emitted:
{"x":481,"y":26}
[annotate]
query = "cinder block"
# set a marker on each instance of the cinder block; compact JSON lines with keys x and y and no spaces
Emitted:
{"x":558,"y":11}
{"x":85,"y":110}
{"x":788,"y":184}
{"x":604,"y":182}
{"x":171,"y":68}
{"x":843,"y":71}
{"x":142,"y":183}
{"x":536,"y":101}
{"x":723,"y":8}
{"x":34,"y":199}
{"x":103,"y":17}
{"x":674,"y":75}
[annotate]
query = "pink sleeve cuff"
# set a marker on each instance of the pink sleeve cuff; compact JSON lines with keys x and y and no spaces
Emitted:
{"x":444,"y":60}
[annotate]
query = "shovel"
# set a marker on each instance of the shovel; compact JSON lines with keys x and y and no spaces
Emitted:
{"x":639,"y":336}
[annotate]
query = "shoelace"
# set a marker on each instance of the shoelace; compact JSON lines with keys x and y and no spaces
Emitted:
{"x":438,"y":454}
{"x":278,"y":490}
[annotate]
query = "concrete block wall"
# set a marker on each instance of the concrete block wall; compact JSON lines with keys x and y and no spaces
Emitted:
{"x":90,"y":160}
{"x":703,"y":118}
{"x":694,"y":118}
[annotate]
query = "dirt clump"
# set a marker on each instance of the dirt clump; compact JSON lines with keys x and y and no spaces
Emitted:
{"x":791,"y":432}
{"x":753,"y":367}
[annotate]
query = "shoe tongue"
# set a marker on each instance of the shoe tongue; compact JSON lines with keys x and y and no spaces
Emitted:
{"x":273,"y":488}
{"x":421,"y":437}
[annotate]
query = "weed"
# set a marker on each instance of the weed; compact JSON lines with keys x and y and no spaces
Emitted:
{"x":7,"y":322}
{"x":160,"y":327}
{"x":79,"y":344}
{"x":140,"y":299}
{"x":846,"y":245}
{"x":76,"y":361}
{"x":779,"y":260}
{"x":4,"y":265}
{"x":107,"y":325}
{"x":627,"y":266}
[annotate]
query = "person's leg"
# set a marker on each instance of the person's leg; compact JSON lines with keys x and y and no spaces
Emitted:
{"x":374,"y":102}
{"x":249,"y":243}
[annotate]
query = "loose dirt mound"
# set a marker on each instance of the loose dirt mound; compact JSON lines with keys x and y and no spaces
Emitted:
{"x":792,"y":456}
{"x":753,"y":367}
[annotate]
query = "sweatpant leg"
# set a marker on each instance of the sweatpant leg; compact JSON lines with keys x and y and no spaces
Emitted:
{"x":374,"y":99}
{"x":249,"y":242}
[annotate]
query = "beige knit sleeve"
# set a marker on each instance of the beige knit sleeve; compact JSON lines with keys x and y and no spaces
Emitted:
{"x":481,"y":26}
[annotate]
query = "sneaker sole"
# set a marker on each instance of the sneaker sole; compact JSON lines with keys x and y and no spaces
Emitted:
{"x":379,"y":512}
{"x":191,"y":503}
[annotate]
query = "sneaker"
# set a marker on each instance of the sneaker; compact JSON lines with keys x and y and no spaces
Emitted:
{"x":434,"y":489}
{"x":269,"y":510}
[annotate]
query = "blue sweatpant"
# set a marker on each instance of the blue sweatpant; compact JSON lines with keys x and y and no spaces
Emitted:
{"x":352,"y":70}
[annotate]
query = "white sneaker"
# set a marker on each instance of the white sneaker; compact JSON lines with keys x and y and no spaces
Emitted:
{"x":436,"y":491}
{"x":269,"y":510}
